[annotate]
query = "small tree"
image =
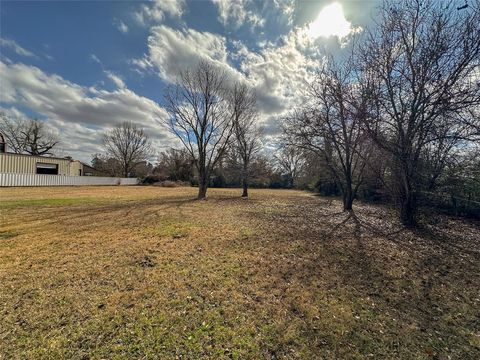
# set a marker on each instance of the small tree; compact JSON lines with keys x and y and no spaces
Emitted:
{"x":200,"y":118}
{"x":247,"y":144}
{"x":330,"y":126}
{"x":128,"y":145}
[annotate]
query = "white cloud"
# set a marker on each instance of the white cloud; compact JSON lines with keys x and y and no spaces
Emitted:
{"x":279,"y":73}
{"x":117,"y":80}
{"x":122,"y":27}
{"x":78,"y":112}
{"x":155,"y":11}
{"x":94,"y":58}
{"x":286,"y":8}
{"x":171,"y":51}
{"x":236,"y":13}
{"x":255,"y":14}
{"x":15,"y":47}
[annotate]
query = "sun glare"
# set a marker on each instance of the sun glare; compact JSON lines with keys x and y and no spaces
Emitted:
{"x":330,"y":22}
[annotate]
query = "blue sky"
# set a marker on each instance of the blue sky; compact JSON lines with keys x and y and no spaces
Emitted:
{"x":84,"y":67}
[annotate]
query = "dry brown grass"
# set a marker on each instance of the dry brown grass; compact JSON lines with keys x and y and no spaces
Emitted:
{"x":149,"y":273}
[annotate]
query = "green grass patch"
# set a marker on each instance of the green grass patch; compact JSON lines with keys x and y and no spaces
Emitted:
{"x":174,"y":228}
{"x":8,"y":234}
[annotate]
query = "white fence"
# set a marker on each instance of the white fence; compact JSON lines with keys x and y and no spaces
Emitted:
{"x":8,"y":179}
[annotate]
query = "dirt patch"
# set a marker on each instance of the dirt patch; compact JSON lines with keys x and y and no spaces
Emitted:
{"x":146,"y":262}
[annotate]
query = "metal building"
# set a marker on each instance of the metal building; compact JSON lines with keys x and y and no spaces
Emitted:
{"x":29,"y":164}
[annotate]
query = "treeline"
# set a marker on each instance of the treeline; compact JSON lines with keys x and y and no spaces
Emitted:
{"x":175,"y":165}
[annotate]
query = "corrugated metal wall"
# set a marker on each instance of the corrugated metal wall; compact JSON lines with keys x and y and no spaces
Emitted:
{"x":75,"y":166}
{"x":9,"y":179}
{"x":26,"y":164}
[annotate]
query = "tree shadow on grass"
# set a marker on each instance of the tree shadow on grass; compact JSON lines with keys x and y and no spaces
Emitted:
{"x":415,"y":278}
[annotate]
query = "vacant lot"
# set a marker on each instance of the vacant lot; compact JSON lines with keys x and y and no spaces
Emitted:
{"x":145,"y":272}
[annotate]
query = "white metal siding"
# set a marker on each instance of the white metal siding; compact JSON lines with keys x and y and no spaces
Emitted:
{"x":10,"y":179}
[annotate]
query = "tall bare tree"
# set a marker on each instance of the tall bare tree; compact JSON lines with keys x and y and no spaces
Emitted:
{"x":127,"y":144}
{"x":330,"y":126}
{"x":421,"y":62}
{"x":200,"y":117}
{"x":247,"y":136}
{"x":38,"y":139}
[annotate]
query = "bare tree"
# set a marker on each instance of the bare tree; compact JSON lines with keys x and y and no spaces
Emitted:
{"x":38,"y":139}
{"x":330,"y":126}
{"x":128,"y":145}
{"x":421,"y":63}
{"x":27,"y":136}
{"x":290,"y":160}
{"x":247,"y":144}
{"x":200,"y":117}
{"x":175,"y":165}
{"x":12,"y":131}
{"x":106,"y":165}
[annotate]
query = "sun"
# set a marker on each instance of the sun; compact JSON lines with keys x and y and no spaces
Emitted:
{"x":330,"y":22}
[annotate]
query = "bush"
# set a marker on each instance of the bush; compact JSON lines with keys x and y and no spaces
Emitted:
{"x":152,"y":179}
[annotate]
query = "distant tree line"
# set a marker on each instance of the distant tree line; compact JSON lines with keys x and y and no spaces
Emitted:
{"x":176,"y":165}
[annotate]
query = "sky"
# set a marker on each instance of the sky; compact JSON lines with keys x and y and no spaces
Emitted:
{"x":84,"y":67}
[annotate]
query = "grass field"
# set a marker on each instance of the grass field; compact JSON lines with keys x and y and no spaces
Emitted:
{"x":149,"y":273}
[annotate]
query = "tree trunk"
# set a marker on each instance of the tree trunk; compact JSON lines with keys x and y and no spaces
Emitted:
{"x":202,"y":185}
{"x":408,"y":198}
{"x":348,"y":196}
{"x":408,"y":209}
{"x":347,"y":201}
{"x":245,"y":182}
{"x":245,"y":188}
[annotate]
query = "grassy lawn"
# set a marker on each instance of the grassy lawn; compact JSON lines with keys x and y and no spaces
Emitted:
{"x":149,"y":273}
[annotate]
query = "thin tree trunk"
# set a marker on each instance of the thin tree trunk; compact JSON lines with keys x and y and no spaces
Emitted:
{"x":202,"y":185}
{"x":245,"y":188}
{"x":347,"y":201}
{"x":245,"y":182}
{"x":408,"y":208}
{"x":348,"y":196}
{"x":408,"y":198}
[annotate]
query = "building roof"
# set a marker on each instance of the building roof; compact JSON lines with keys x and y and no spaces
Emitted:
{"x":39,"y":156}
